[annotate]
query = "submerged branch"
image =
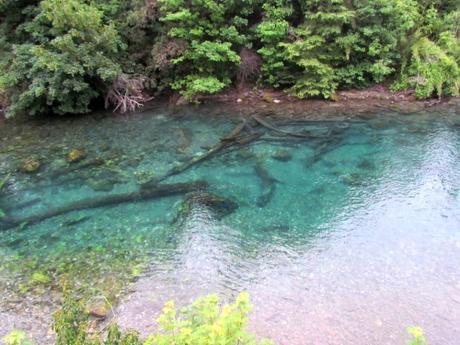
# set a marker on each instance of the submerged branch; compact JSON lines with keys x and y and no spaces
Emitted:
{"x":273,"y":128}
{"x":236,"y":137}
{"x":109,"y":200}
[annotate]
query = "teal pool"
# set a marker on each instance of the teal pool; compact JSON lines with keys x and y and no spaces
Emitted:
{"x":343,"y":232}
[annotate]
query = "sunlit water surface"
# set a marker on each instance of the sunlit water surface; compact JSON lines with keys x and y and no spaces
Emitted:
{"x":360,"y":239}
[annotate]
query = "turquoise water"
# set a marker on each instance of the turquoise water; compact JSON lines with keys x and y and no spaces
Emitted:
{"x":345,"y":237}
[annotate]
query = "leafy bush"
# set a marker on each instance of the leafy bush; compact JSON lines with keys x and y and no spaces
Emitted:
{"x":213,"y":32}
{"x":205,"y":322}
{"x":432,"y":70}
{"x":272,"y":32}
{"x":316,"y":49}
{"x":60,"y":56}
{"x":68,"y":58}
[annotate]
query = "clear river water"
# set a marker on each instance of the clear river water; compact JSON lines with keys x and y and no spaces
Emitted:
{"x":344,"y":233}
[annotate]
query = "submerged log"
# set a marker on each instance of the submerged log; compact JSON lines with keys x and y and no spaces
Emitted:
{"x":235,"y":138}
{"x":328,"y":144}
{"x":268,"y":185}
{"x":281,"y":131}
{"x":23,"y":205}
{"x":109,"y":200}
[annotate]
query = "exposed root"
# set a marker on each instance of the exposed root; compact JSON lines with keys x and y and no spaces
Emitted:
{"x":127,"y":94}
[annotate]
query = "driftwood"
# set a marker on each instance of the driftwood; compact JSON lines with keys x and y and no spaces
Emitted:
{"x":273,"y":128}
{"x":109,"y":200}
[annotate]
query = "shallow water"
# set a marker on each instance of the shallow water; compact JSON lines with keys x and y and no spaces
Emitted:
{"x":352,"y":236}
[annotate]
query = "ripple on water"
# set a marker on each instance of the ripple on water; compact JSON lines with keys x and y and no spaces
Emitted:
{"x":359,"y":237}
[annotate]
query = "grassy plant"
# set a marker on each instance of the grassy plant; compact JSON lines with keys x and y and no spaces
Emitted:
{"x":417,"y":336}
{"x":205,"y":322}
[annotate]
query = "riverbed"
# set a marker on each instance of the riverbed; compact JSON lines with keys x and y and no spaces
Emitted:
{"x":343,"y":229}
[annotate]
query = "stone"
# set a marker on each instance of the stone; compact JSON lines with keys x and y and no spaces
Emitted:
{"x":366,"y":164}
{"x":352,"y":179}
{"x":267,"y":97}
{"x":76,"y":155}
{"x":182,"y":101}
{"x":239,"y":100}
{"x":98,"y":310}
{"x":277,"y":101}
{"x":144,"y":177}
{"x":100,"y":185}
{"x":282,"y":155}
{"x":220,"y":206}
{"x":58,"y":164}
{"x":29,"y":165}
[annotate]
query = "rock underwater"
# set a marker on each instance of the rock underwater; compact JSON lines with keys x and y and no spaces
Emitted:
{"x":219,"y":206}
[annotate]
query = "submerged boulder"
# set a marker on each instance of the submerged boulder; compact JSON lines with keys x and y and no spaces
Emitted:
{"x":101,"y":185}
{"x":29,"y":165}
{"x":366,"y":164}
{"x":282,"y":155}
{"x":219,"y":206}
{"x":76,"y":155}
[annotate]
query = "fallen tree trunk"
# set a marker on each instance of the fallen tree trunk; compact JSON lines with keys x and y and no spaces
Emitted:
{"x":273,"y":128}
{"x":109,"y":200}
{"x":235,"y":137}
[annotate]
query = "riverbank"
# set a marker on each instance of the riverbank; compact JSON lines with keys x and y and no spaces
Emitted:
{"x":362,"y":103}
{"x":346,"y":104}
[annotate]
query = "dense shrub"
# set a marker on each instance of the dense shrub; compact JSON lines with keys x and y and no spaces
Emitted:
{"x":213,"y":33}
{"x":59,"y":56}
{"x":69,"y":55}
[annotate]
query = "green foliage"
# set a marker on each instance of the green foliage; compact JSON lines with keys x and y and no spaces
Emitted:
{"x":272,"y":31}
{"x":417,"y":336}
{"x":318,"y":47}
{"x":432,"y":70}
{"x":16,"y":338}
{"x":193,"y":85}
{"x":62,"y":56}
{"x":69,"y":56}
{"x":2,"y":184}
{"x":205,"y":322}
{"x":431,"y":64}
{"x":71,"y":324}
{"x":213,"y":33}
